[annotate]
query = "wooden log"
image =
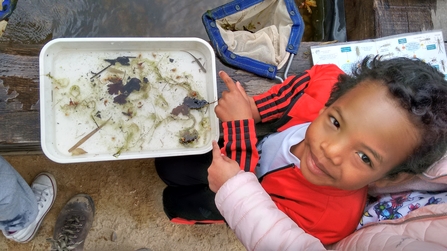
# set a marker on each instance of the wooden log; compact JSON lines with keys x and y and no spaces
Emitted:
{"x":366,"y":19}
{"x":359,"y":15}
{"x":19,"y":97}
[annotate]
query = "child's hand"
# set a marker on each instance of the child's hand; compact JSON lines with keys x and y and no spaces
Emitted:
{"x":235,"y":103}
{"x":222,"y":169}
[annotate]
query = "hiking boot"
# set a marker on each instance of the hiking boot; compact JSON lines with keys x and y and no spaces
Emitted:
{"x":45,"y":189}
{"x":73,"y":223}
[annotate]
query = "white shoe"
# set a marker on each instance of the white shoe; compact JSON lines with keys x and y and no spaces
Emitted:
{"x":45,"y":188}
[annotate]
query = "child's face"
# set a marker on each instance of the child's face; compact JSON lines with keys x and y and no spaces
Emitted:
{"x":357,"y":140}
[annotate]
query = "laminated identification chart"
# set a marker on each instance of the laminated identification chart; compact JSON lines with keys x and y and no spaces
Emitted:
{"x":426,"y":45}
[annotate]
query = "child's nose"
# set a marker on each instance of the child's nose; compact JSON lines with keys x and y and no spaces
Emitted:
{"x":332,"y":151}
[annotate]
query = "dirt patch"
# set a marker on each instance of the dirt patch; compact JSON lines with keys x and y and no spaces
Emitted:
{"x":127,"y":195}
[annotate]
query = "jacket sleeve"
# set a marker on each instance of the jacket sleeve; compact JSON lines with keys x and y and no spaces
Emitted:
{"x":256,"y":220}
{"x":299,"y":98}
{"x":240,"y":143}
{"x":273,"y":103}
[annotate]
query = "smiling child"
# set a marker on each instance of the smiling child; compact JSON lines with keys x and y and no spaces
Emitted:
{"x":336,"y":134}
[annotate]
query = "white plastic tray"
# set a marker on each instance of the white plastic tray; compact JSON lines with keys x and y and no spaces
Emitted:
{"x":142,"y":123}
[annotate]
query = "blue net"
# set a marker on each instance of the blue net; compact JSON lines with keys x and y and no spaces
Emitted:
{"x":258,"y":36}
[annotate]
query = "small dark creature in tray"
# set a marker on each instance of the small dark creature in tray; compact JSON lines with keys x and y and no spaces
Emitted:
{"x":190,"y":103}
{"x":123,"y":91}
{"x":188,"y":136}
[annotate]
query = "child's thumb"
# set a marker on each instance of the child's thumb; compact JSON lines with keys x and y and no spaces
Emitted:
{"x":216,"y":150}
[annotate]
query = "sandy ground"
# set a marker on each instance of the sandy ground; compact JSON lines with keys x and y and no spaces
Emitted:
{"x":127,"y":197}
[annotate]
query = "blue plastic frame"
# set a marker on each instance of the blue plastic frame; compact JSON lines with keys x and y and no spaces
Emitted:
{"x":245,"y":63}
{"x":10,"y":6}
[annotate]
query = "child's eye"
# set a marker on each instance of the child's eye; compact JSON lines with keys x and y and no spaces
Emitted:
{"x":334,"y":122}
{"x":365,"y":158}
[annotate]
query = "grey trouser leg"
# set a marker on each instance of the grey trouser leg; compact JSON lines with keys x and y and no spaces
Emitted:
{"x":18,"y":204}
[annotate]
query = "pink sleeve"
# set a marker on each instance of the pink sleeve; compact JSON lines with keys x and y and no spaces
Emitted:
{"x":256,"y":220}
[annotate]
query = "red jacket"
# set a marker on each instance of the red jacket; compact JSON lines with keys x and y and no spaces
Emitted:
{"x":327,"y":213}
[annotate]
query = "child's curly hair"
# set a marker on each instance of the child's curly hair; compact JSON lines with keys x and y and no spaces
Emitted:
{"x":421,"y":90}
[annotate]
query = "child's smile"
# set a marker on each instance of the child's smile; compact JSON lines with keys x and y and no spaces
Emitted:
{"x":316,"y":167}
{"x":357,"y":140}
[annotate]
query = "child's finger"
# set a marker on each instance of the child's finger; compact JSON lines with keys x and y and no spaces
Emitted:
{"x":227,"y":80}
{"x":241,"y":90}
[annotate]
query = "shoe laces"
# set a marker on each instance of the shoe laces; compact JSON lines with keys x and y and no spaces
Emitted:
{"x":41,"y":195}
{"x":70,"y":230}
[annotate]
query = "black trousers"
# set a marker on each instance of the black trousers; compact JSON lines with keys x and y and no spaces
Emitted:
{"x":187,"y":195}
